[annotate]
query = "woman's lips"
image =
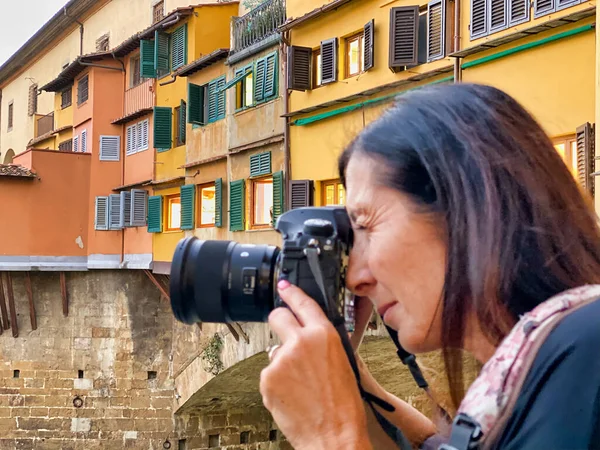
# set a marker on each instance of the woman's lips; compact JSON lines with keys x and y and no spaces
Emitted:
{"x":385,"y":308}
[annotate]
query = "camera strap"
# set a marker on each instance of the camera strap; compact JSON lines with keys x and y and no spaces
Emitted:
{"x":312,"y":255}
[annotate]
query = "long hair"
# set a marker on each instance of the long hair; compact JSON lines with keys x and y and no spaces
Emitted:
{"x":517,"y":226}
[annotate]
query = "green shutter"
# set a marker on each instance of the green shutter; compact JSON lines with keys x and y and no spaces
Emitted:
{"x":278,"y":195}
{"x":239,"y":76}
{"x":259,"y":80}
{"x":221,"y":99}
{"x":155,"y":214}
{"x":271,"y":76}
{"x":179,"y":47}
{"x":188,"y":200}
{"x":147,"y":69}
{"x":162,"y":128}
{"x":236,"y":205}
{"x":161,"y":53}
{"x":212,"y":101}
{"x":260,"y":164}
{"x":195,"y":104}
{"x":218,"y":203}
{"x":182,"y":121}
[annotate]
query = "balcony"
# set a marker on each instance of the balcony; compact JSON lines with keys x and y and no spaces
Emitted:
{"x":140,"y":97}
{"x":45,"y":125}
{"x":258,"y":25}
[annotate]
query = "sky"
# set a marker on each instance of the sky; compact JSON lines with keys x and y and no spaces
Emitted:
{"x":14,"y":31}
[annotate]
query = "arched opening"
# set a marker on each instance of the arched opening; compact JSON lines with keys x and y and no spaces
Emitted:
{"x":8,"y":158}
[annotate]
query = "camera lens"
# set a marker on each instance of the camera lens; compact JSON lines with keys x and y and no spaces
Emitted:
{"x":222,"y":281}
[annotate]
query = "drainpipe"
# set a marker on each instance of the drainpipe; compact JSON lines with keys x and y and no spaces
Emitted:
{"x":124,"y":78}
{"x":172,"y":80}
{"x":101,"y":66}
{"x":80,"y":29}
{"x":286,"y":129}
{"x":457,"y":68}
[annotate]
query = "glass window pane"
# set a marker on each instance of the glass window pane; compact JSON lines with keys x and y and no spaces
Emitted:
{"x":341,"y":194}
{"x":560,"y":148}
{"x":319,"y":70}
{"x":207,"y":205}
{"x":354,"y":57}
{"x":574,"y":159}
{"x":174,"y":213}
{"x":249,"y":91}
{"x":263,"y":202}
{"x":329,"y":195}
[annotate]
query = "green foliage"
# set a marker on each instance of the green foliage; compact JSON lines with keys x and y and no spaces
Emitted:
{"x":251,"y":4}
{"x":212,"y":355}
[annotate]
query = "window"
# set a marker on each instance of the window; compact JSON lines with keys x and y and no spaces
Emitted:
{"x":207,"y":205}
{"x":567,"y":149}
{"x":333,"y":193}
{"x":82,"y":90}
{"x":11,"y":109}
{"x":33,"y":100}
{"x":173,"y":212}
{"x":329,"y":61}
{"x":101,"y":217}
{"x":103,"y":43}
{"x":66,"y":98}
{"x":137,"y":137}
{"x":162,"y":128}
{"x":244,"y":91}
{"x":355,"y":61}
{"x":83,"y":141}
{"x":110,"y":148}
{"x":244,"y":437}
{"x":176,"y":116}
{"x":66,"y":146}
{"x":180,"y":118}
{"x":155,"y":204}
{"x":317,"y":74}
{"x":134,"y":68}
{"x":76,"y":143}
{"x":262,"y":202}
{"x":207,"y":103}
{"x":158,"y":12}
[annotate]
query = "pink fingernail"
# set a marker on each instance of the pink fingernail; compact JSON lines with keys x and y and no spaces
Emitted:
{"x":283,"y":285}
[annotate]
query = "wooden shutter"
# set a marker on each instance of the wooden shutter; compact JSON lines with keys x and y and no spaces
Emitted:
{"x":110,"y":148}
{"x":163,"y":131}
{"x":543,"y":7}
{"x":259,"y":79}
{"x":260,"y":164}
{"x":195,"y":104}
{"x":82,"y":90}
{"x":278,"y":196}
{"x":301,"y":193}
{"x":130,"y":142}
{"x":147,"y":67}
{"x":586,"y":156}
{"x":221,"y":98}
{"x":479,"y":18}
{"x":114,"y":212}
{"x":155,"y":214}
{"x":84,"y":142}
{"x":161,"y":53}
{"x":271,"y":76}
{"x":518,"y":12}
{"x":125,"y":213}
{"x":299,"y":68}
{"x":236,"y":205}
{"x":188,"y":200}
{"x":369,"y":42}
{"x":404,"y":32}
{"x":219,"y":202}
{"x":497,"y":15}
{"x":329,"y":60}
{"x":101,"y":221}
{"x":139,"y":200}
{"x":436,"y":29}
{"x":76,"y":144}
{"x":33,"y":100}
{"x":143,"y":135}
{"x":182,"y":121}
{"x":179,"y":47}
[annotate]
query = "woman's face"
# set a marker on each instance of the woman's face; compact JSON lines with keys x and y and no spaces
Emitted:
{"x":399,"y":257}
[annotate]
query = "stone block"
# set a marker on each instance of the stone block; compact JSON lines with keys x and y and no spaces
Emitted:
{"x":82,"y":343}
{"x":34,"y":382}
{"x":16,"y":400}
{"x":20,"y":412}
{"x":60,"y":383}
{"x":140,"y":402}
{"x":82,"y":383}
{"x":161,"y":402}
{"x":102,"y":332}
{"x":35,"y":400}
{"x":81,"y":425}
{"x":130,"y":435}
{"x":42,"y":424}
{"x":39,"y":412}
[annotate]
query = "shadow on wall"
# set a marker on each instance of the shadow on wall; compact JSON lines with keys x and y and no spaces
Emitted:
{"x":8,"y":158}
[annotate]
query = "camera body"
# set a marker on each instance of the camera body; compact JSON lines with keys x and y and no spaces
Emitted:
{"x":224,"y":281}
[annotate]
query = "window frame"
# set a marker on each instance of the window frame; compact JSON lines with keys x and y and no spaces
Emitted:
{"x":568,"y":141}
{"x":170,"y":199}
{"x":199,"y":189}
{"x":11,"y":115}
{"x":242,"y":86}
{"x":336,"y":184}
{"x":266,"y":179}
{"x":158,"y":7}
{"x":176,"y":116}
{"x":79,"y":81}
{"x":64,"y":105}
{"x":360,"y":37}
{"x":136,"y":75}
{"x":317,"y":81}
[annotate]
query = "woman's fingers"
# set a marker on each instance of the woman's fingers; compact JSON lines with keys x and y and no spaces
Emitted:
{"x":284,"y":323}
{"x":307,"y":310}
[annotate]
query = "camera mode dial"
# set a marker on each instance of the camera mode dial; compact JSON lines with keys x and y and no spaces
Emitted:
{"x":318,"y":227}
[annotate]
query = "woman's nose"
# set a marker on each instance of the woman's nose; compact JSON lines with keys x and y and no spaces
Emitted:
{"x":359,"y":278}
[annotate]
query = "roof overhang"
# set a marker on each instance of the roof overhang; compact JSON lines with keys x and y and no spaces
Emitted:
{"x":69,"y":73}
{"x":291,"y":23}
{"x":203,"y":62}
{"x":16,"y":171}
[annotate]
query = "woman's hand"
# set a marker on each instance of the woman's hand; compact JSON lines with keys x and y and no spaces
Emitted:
{"x":309,"y":386}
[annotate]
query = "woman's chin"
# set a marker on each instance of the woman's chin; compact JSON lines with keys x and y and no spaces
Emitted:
{"x":413,"y":343}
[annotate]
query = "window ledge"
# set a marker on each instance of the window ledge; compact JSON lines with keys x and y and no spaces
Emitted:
{"x":260,"y":230}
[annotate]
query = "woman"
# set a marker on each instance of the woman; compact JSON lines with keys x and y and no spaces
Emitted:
{"x":465,"y":218}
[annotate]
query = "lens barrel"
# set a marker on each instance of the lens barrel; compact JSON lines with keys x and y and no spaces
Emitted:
{"x":222,"y":281}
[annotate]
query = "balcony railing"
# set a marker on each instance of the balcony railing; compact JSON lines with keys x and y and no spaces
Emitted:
{"x":139,"y":97}
{"x":45,"y":124}
{"x":258,"y":24}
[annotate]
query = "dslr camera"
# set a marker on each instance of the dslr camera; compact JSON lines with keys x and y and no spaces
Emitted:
{"x":225,"y":281}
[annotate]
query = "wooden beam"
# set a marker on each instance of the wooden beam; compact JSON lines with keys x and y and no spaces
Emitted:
{"x":65,"y":297}
{"x":32,"y":315}
{"x":241,"y":331}
{"x":158,"y":285}
{"x":5,"y":322}
{"x":233,"y":332}
{"x":11,"y":306}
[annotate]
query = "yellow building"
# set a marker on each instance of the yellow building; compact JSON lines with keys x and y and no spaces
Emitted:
{"x":347,"y":62}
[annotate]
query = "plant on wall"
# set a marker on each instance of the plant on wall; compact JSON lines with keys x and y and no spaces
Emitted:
{"x":212,"y":355}
{"x":251,"y":4}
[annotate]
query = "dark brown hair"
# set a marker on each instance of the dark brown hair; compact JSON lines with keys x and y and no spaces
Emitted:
{"x":518,"y":227}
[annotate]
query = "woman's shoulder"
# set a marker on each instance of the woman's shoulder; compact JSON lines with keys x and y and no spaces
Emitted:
{"x":559,"y":403}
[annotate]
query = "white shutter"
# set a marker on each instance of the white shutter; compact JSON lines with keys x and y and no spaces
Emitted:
{"x":83,"y":141}
{"x":139,"y":201}
{"x":144,"y":135}
{"x":130,"y":148}
{"x":125,"y":212}
{"x":114,"y":212}
{"x":76,"y":144}
{"x":110,"y":148}
{"x":101,"y":220}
